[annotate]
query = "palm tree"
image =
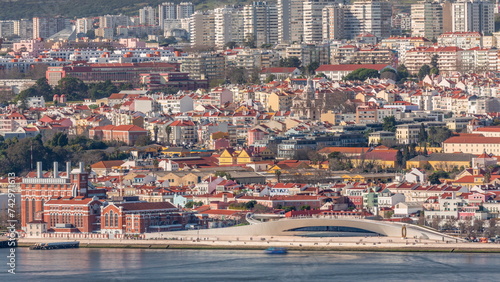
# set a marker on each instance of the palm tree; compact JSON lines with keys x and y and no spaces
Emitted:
{"x":278,"y":174}
{"x":155,"y":130}
{"x":168,"y":130}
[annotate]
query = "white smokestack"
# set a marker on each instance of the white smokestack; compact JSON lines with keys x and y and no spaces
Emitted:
{"x":39,"y":173}
{"x":68,"y":169}
{"x":56,"y":169}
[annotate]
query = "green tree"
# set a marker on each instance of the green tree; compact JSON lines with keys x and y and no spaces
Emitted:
{"x":290,"y":62}
{"x":362,"y":74}
{"x":278,"y":174}
{"x":434,"y":177}
{"x":311,"y":68}
{"x":90,"y":34}
{"x":434,"y":61}
{"x":270,"y":77}
{"x":400,"y":162}
{"x":437,"y":135}
{"x":143,"y":140}
{"x":230,"y":45}
{"x":402,"y":72}
{"x":250,"y":204}
{"x":422,"y":136}
{"x":389,"y":124}
{"x":389,"y":74}
{"x":423,"y":72}
{"x":168,"y":131}
{"x":74,"y":88}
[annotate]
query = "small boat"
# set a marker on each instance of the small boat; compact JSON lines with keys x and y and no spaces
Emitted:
{"x":276,"y":251}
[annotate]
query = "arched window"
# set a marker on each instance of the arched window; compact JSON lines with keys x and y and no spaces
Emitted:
{"x":106,"y":220}
{"x":33,"y":210}
{"x":27,"y":210}
{"x":116,"y":220}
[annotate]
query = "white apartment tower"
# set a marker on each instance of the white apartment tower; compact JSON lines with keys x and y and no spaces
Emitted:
{"x":261,"y":23}
{"x":473,"y":15}
{"x":184,"y":10}
{"x":312,"y":19}
{"x":427,"y":19}
{"x":84,"y":24}
{"x":147,"y":16}
{"x":202,"y":29}
{"x":333,"y":22}
{"x":46,"y":27}
{"x":6,"y":28}
{"x":166,"y":11}
{"x":290,"y":21}
{"x":23,"y":28}
{"x":368,"y":16}
{"x":229,"y":26}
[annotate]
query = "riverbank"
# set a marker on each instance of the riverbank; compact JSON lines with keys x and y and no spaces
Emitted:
{"x":371,"y":244}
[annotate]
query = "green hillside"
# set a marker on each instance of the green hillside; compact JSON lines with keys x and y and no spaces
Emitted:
{"x":19,"y":9}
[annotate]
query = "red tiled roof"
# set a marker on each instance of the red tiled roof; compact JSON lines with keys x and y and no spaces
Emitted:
{"x":351,"y":67}
{"x":146,"y":206}
{"x":473,"y":140}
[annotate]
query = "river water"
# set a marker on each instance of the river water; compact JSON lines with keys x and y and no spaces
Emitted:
{"x":228,"y":265}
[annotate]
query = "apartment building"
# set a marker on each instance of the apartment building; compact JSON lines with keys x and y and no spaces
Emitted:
{"x":473,"y":15}
{"x":46,"y":27}
{"x":290,"y":21}
{"x":204,"y":66}
{"x":261,"y":23}
{"x":333,"y":22}
{"x":426,"y":19}
{"x":368,"y":16}
{"x":202,"y":29}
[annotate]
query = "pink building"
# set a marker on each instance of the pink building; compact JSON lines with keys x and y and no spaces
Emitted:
{"x":255,"y":135}
{"x":31,"y":47}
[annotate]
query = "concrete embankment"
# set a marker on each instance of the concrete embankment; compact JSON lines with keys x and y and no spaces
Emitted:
{"x":371,"y":244}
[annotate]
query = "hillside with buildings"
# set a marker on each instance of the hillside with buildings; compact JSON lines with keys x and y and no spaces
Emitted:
{"x":14,"y":10}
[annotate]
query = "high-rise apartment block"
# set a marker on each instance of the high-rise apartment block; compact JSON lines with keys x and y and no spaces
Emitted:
{"x":23,"y":28}
{"x":184,"y":10}
{"x":202,"y":29}
{"x":171,"y":11}
{"x":84,"y":24}
{"x":166,"y":11}
{"x":290,"y":21}
{"x":261,"y":23}
{"x":46,"y":27}
{"x":368,"y":16}
{"x":312,"y":17}
{"x":473,"y":15}
{"x":229,"y":26}
{"x":147,"y":16}
{"x":333,"y":22}
{"x":6,"y":28}
{"x":427,"y":19}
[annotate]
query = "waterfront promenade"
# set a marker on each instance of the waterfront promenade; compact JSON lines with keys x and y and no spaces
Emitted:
{"x":291,"y":242}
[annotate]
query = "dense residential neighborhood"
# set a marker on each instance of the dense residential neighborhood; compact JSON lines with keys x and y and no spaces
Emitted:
{"x":176,"y":118}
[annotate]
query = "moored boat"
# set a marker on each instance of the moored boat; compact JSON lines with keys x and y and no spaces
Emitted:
{"x":276,"y":251}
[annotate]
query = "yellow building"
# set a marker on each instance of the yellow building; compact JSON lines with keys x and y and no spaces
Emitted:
{"x":227,"y":157}
{"x":183,"y":178}
{"x":231,"y":157}
{"x":441,"y":161}
{"x":280,"y":101}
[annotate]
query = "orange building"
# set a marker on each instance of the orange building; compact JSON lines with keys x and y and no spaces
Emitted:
{"x":126,"y":133}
